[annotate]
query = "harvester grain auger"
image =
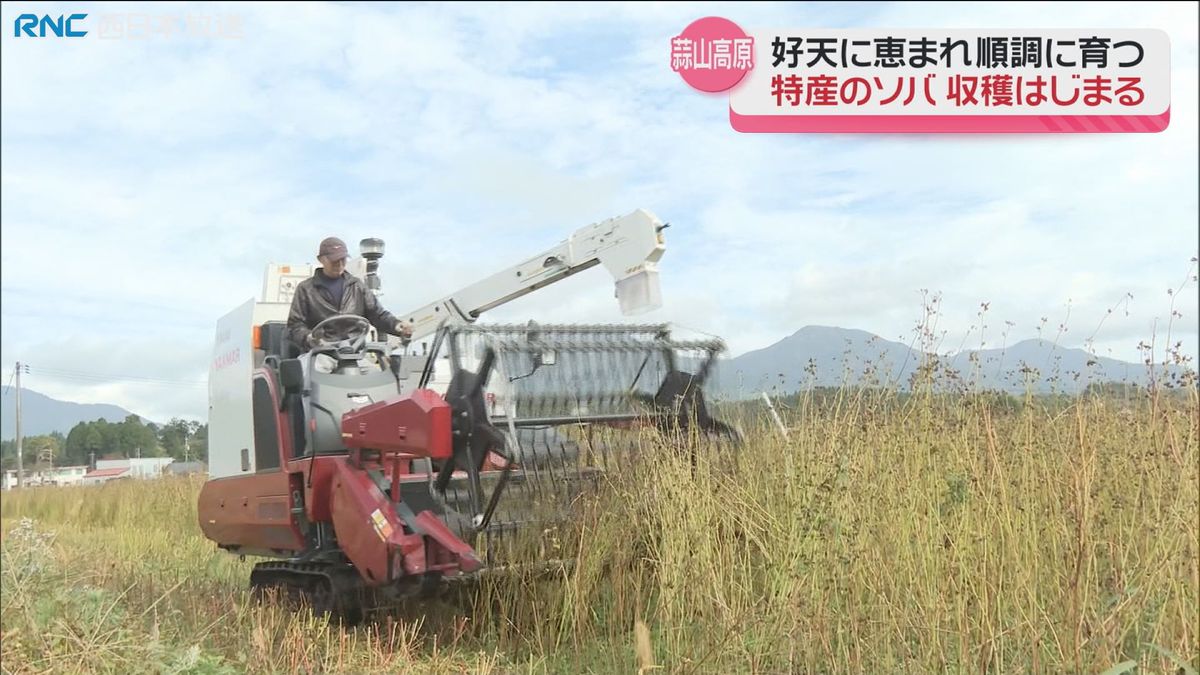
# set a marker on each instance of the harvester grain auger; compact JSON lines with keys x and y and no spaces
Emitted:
{"x":370,"y":472}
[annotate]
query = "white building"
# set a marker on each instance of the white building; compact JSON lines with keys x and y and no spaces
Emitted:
{"x":106,"y":469}
{"x":137,"y":467}
{"x":58,"y":475}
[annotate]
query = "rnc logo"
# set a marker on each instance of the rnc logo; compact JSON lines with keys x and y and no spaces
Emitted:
{"x":60,"y":27}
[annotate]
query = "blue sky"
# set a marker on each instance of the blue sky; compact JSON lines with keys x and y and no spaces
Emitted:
{"x":146,"y":184}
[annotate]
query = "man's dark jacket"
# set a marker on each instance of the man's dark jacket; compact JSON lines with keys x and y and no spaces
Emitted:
{"x":313,"y":303}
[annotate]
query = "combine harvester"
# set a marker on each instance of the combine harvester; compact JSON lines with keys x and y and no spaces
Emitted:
{"x":369,"y":472}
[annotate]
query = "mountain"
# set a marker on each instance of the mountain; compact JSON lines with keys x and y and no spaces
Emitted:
{"x":822,"y":355}
{"x":828,"y":357}
{"x":1046,"y":365}
{"x":41,"y":414}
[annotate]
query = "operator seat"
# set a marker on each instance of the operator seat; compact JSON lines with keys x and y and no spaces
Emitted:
{"x":278,"y":347}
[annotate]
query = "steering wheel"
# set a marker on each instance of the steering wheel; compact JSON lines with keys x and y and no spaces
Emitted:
{"x":340,"y":328}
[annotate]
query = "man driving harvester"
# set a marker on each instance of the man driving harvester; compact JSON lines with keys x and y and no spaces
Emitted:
{"x":331,"y":291}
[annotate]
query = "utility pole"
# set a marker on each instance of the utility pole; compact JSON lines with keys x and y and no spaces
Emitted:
{"x":20,"y":463}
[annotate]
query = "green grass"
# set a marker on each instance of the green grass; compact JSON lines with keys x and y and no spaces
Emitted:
{"x":929,"y":534}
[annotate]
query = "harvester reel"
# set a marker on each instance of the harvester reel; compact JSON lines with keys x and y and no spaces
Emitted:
{"x":474,"y":437}
{"x":561,"y":423}
{"x":682,"y":394}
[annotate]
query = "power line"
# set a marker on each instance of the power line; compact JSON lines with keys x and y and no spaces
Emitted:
{"x":191,"y":386}
{"x":130,"y":378}
{"x":82,"y":376}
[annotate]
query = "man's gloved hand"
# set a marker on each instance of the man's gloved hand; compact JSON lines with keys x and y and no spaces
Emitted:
{"x":309,"y":342}
{"x":404,"y":329}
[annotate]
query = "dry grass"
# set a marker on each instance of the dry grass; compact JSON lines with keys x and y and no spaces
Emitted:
{"x":930,"y":534}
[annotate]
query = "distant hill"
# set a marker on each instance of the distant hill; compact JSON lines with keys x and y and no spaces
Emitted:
{"x":828,"y":357}
{"x":820,"y":355}
{"x":1046,"y":366}
{"x":41,"y":414}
